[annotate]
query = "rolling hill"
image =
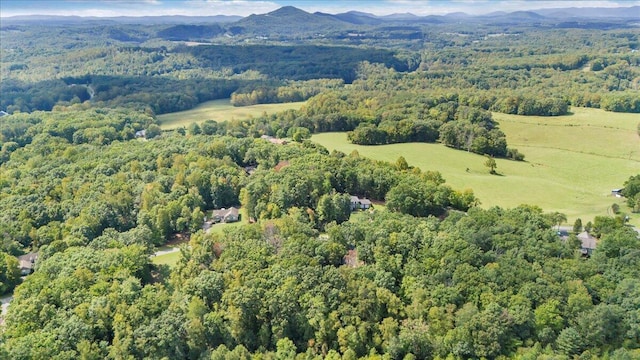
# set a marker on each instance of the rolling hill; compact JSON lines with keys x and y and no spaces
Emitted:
{"x":288,"y":20}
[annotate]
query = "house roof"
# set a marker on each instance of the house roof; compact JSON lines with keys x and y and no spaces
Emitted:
{"x":232,"y":211}
{"x":278,"y":141}
{"x":365,"y":201}
{"x":588,"y":241}
{"x":273,"y":140}
{"x":226,"y":212}
{"x":27,"y":260}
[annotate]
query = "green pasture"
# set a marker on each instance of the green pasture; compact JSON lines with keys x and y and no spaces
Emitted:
{"x":170,"y":259}
{"x":586,"y":131}
{"x":572,"y":162}
{"x":220,"y":110}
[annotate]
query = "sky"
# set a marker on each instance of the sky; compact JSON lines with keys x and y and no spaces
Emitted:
{"x":105,"y":8}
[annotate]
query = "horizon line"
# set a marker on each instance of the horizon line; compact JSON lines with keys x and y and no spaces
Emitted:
{"x":241,"y":8}
{"x":111,"y":16}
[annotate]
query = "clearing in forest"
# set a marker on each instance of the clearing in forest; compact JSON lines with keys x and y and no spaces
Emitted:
{"x":571,"y":162}
{"x":220,"y":110}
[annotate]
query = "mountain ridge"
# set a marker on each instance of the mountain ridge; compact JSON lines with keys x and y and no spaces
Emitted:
{"x":281,"y":20}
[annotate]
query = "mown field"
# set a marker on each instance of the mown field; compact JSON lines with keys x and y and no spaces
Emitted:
{"x":572,"y":162}
{"x":220,"y":110}
{"x":170,"y":259}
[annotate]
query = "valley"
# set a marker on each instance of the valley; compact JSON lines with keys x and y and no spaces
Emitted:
{"x":346,"y":180}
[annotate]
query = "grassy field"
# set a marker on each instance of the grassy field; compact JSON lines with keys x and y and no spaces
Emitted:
{"x":170,"y":259}
{"x":219,"y":228}
{"x":572,"y":162}
{"x":220,"y":110}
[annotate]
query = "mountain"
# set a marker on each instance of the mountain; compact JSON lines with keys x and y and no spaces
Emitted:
{"x":52,"y":20}
{"x":357,"y":18}
{"x":145,"y":20}
{"x":401,"y":16}
{"x":632,"y":12}
{"x":495,"y":13}
{"x":288,"y":21}
{"x":186,"y":32}
{"x":525,"y":15}
{"x":177,"y":19}
{"x":457,"y":15}
{"x":361,"y":13}
{"x":516,"y":17}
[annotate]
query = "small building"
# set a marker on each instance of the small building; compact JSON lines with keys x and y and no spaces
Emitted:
{"x":273,"y":140}
{"x":3,"y":113}
{"x":223,"y":215}
{"x":141,"y":133}
{"x":27,"y":263}
{"x":587,"y":243}
{"x":365,"y":204}
{"x":357,"y":203}
{"x":616,"y":192}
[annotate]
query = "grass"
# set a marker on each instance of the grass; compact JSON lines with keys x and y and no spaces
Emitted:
{"x":586,"y":131}
{"x":170,"y":259}
{"x":572,"y":162}
{"x":219,"y":228}
{"x":220,"y":110}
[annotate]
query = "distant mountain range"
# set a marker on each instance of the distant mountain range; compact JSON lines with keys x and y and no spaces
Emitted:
{"x":351,"y":17}
{"x":290,"y":23}
{"x":150,"y":20}
{"x":592,"y":12}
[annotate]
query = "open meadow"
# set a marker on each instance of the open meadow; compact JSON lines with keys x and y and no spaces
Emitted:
{"x":170,"y":258}
{"x":572,"y":162}
{"x":220,"y":110}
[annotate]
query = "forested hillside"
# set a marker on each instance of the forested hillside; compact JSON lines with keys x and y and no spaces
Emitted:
{"x":484,"y":283}
{"x":414,"y":269}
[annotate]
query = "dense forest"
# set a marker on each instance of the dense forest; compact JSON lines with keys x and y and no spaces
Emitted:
{"x":91,"y":182}
{"x":396,"y":282}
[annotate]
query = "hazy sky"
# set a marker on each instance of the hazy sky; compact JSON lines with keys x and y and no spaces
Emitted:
{"x":247,"y":7}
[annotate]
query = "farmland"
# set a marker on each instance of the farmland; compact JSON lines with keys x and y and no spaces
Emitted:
{"x":572,"y":162}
